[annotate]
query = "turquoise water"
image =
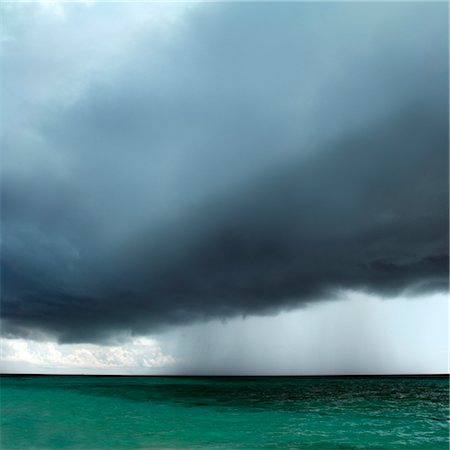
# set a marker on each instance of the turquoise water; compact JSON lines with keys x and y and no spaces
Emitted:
{"x":224,"y":413}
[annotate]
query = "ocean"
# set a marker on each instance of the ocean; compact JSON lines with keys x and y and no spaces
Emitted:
{"x":94,"y":412}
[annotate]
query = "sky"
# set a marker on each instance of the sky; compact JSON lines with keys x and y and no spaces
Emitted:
{"x":224,"y":188}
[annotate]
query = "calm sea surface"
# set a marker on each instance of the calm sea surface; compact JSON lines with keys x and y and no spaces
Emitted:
{"x":224,"y":413}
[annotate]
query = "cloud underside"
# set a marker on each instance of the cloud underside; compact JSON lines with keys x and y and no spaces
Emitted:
{"x":214,"y":174}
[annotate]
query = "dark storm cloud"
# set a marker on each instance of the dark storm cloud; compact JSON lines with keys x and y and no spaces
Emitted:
{"x":255,"y":158}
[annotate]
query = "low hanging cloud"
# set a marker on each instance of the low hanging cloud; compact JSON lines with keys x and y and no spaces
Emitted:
{"x":239,"y":159}
{"x":139,"y":354}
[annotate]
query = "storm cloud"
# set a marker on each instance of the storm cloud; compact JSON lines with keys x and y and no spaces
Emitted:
{"x":232,"y":160}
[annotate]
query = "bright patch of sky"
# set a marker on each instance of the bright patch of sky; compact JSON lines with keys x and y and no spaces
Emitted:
{"x":140,"y":355}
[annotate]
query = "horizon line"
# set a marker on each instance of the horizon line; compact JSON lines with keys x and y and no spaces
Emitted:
{"x":411,"y":375}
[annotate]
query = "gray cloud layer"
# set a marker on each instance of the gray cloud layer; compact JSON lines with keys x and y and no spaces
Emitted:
{"x":243,"y":159}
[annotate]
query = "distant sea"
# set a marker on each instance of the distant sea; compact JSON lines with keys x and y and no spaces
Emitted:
{"x":93,"y":412}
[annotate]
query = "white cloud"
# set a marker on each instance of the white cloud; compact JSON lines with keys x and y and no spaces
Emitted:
{"x":139,"y":355}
